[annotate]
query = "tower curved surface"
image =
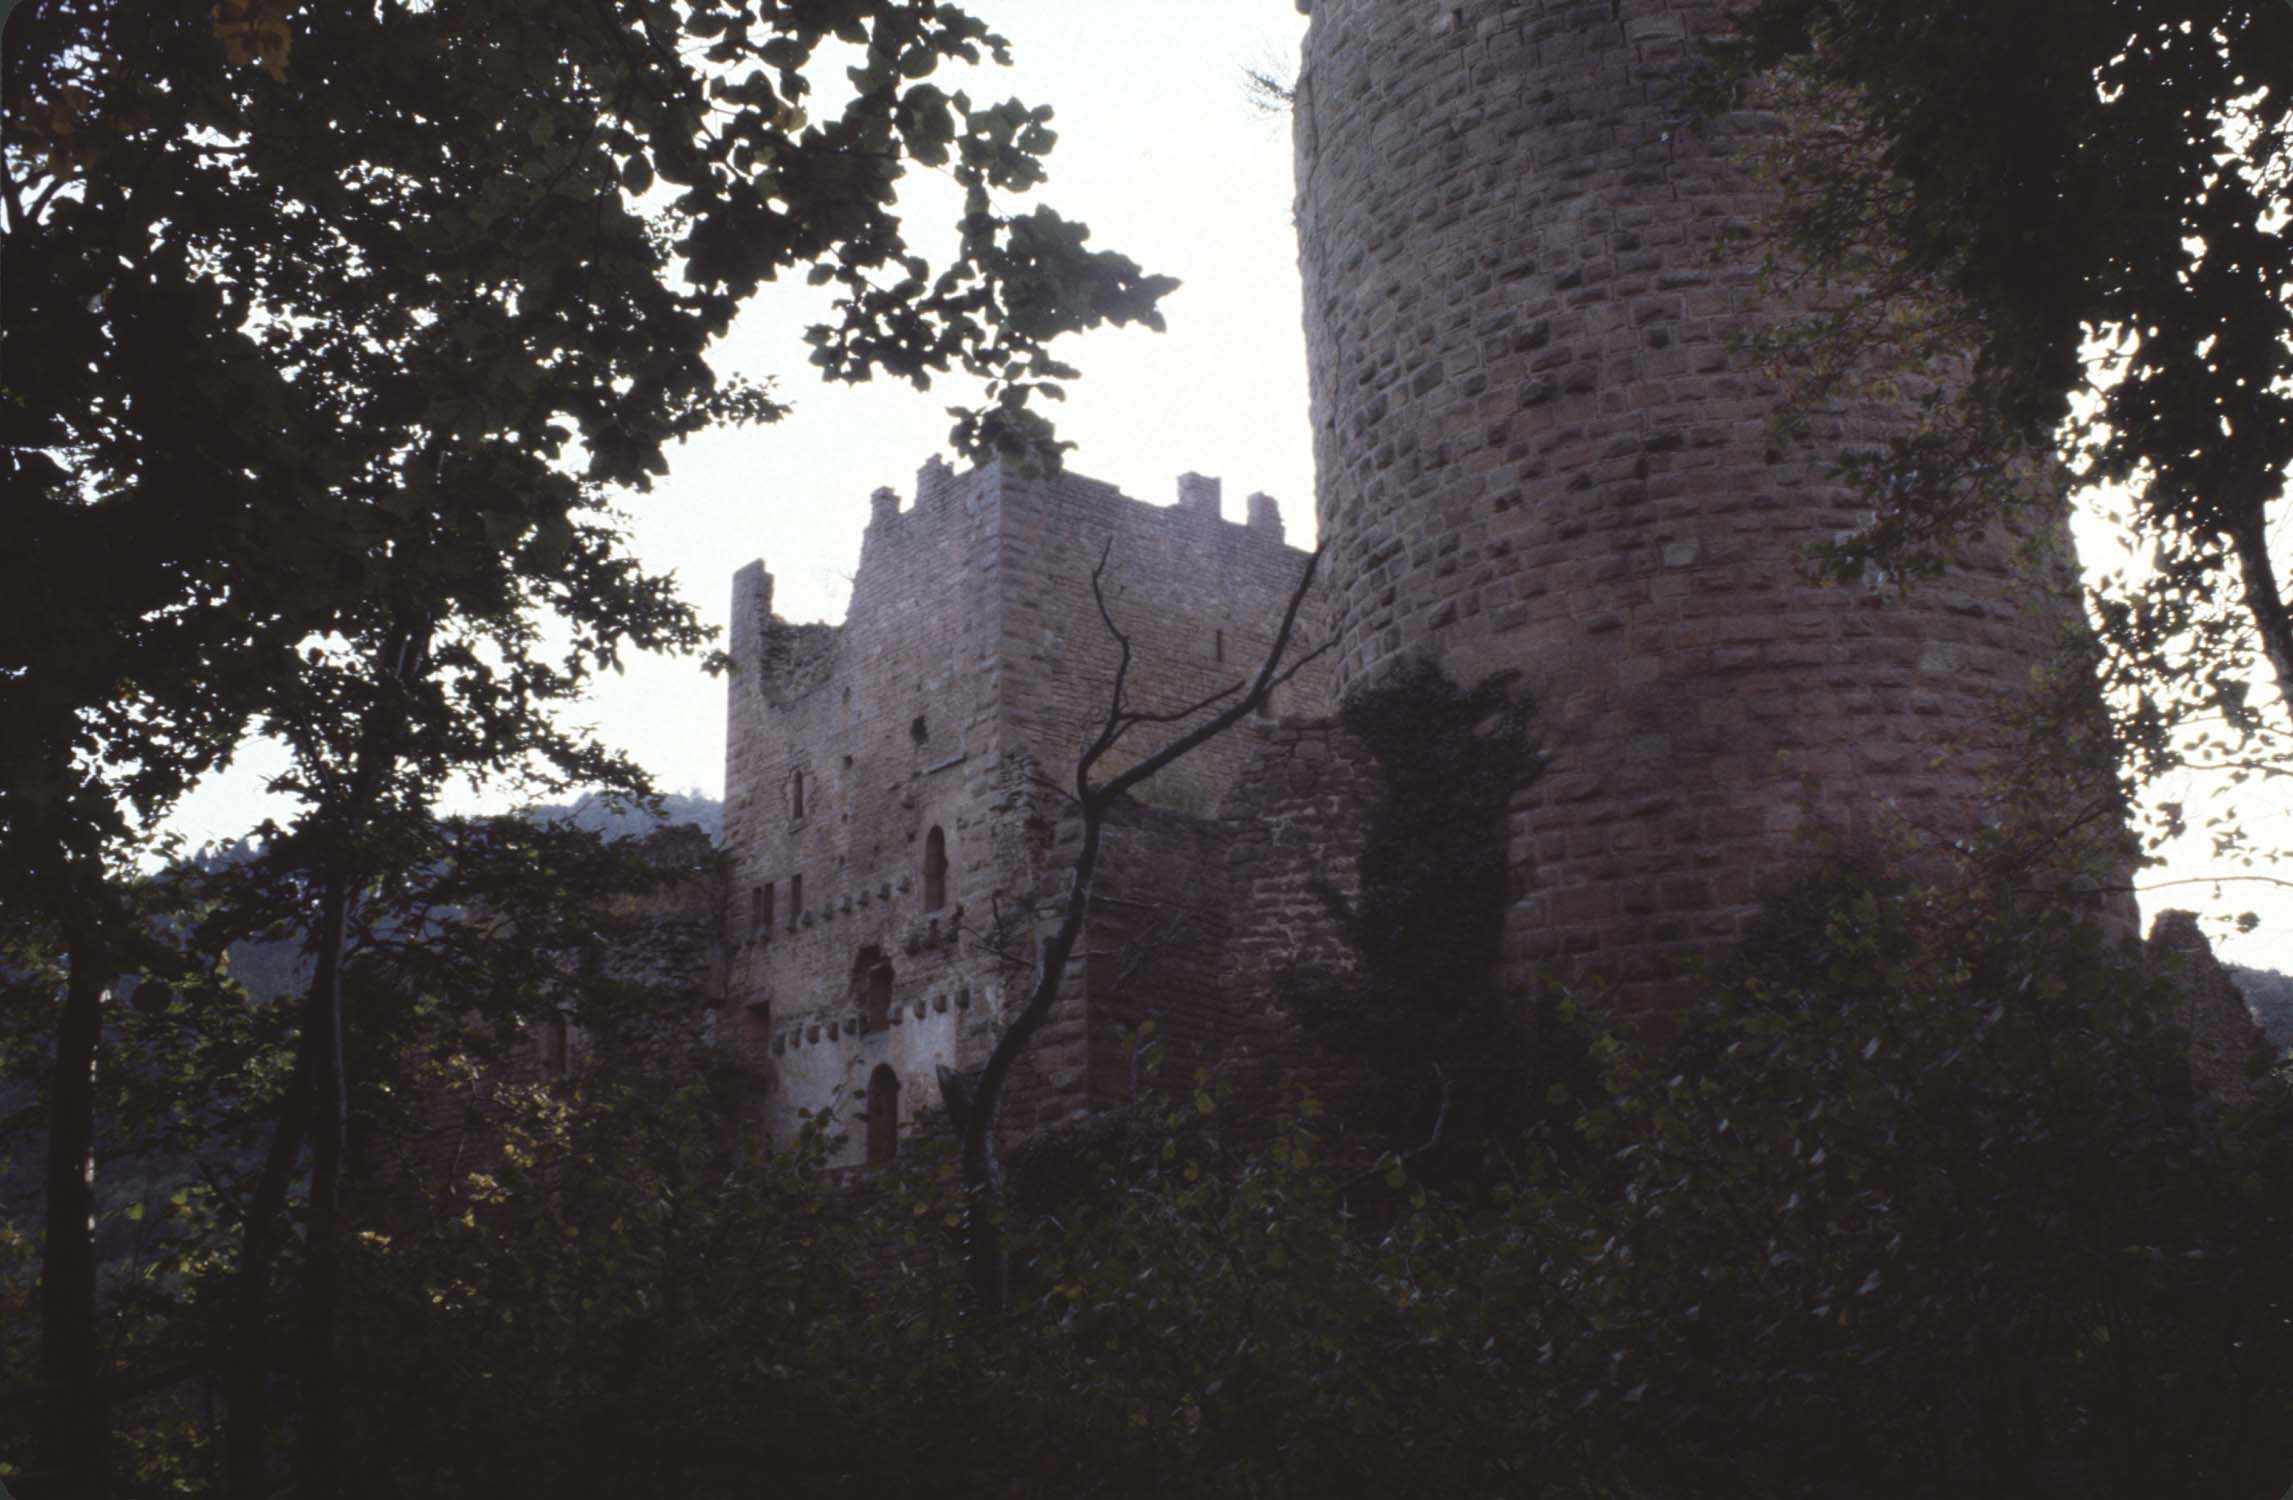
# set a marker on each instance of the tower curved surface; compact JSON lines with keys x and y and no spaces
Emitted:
{"x":1540,"y":450}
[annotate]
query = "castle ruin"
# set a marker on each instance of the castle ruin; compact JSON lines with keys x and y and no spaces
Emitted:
{"x":1539,"y":450}
{"x":892,"y":792}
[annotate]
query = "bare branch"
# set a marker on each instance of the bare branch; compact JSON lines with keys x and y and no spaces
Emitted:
{"x":1178,"y":714}
{"x":1269,"y":675}
{"x":1058,"y":789}
{"x":1112,"y":729}
{"x":982,"y":1099}
{"x":2160,"y":885}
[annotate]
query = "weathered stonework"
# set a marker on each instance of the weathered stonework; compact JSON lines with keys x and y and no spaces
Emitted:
{"x":1537,"y":449}
{"x":969,"y":673}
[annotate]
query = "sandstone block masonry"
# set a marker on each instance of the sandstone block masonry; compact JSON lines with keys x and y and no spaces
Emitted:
{"x":892,"y":818}
{"x":1538,"y":450}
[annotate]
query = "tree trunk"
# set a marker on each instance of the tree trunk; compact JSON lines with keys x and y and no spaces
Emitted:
{"x":318,"y":1449}
{"x":318,"y":1104}
{"x":76,"y":1432}
{"x":2265,"y":602}
{"x":986,"y":1262}
{"x":247,"y":1370}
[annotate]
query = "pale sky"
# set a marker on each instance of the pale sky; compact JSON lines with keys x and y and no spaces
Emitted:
{"x":1161,"y":152}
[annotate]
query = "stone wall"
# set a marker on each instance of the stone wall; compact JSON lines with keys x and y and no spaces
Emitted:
{"x":846,"y":747}
{"x":1160,"y":917}
{"x":1536,"y":450}
{"x":970,"y":670}
{"x":2226,"y":1047}
{"x":1199,"y":596}
{"x":1293,"y":831}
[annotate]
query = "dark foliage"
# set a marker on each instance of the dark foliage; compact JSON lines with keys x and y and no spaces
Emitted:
{"x":2057,"y":225}
{"x":1914,"y":1207}
{"x":331,"y":337}
{"x":1424,"y":1010}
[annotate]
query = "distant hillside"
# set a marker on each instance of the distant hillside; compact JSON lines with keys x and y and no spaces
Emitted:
{"x":2269,"y":995}
{"x":599,"y":816}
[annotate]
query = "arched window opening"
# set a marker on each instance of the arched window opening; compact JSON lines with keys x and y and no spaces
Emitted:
{"x":760,"y":912}
{"x":796,"y":795}
{"x":935,"y":870}
{"x":883,"y":1115}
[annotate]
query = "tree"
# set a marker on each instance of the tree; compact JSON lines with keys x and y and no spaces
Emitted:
{"x":975,"y":1100}
{"x":327,"y":341}
{"x":452,"y":968}
{"x":2061,"y":223}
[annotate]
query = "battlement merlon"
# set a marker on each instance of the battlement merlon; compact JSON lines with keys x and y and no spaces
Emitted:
{"x":1265,"y":514}
{"x":941,"y":495}
{"x":751,"y":616}
{"x":1200,"y":494}
{"x":770,"y":655}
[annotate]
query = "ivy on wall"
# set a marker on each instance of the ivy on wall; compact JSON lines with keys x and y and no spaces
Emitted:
{"x":1423,"y":1009}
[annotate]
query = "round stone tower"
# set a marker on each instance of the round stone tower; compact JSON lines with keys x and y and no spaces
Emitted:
{"x":1537,"y":450}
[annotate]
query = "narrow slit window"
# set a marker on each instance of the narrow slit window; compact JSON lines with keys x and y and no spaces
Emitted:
{"x":760,"y":912}
{"x":879,"y":1011}
{"x":795,"y":898}
{"x":1218,"y":645}
{"x":871,"y":989}
{"x":935,"y":870}
{"x":796,"y":795}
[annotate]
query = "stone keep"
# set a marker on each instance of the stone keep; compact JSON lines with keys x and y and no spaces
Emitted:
{"x":1536,"y":451}
{"x":890,"y":813}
